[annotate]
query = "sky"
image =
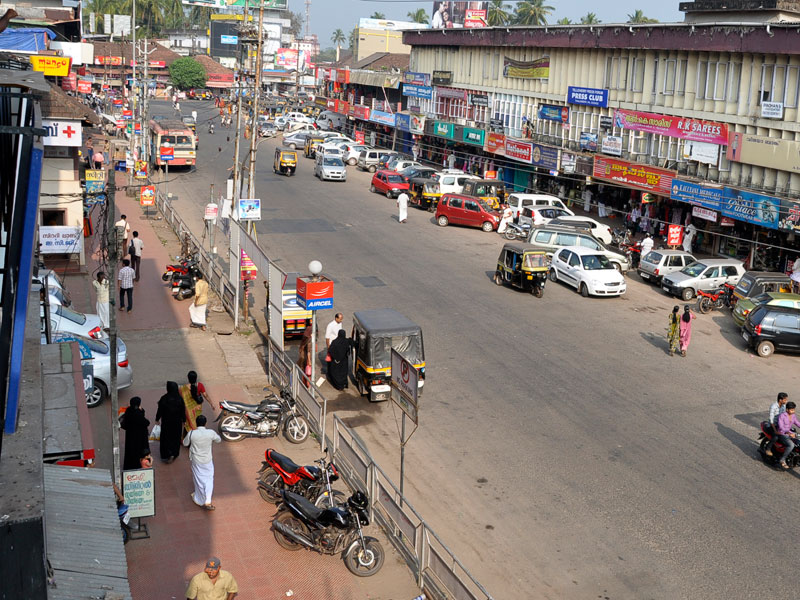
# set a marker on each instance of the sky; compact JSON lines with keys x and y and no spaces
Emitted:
{"x":329,"y":15}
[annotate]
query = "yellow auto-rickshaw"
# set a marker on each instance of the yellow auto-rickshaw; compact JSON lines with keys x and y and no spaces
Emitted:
{"x":285,"y":161}
{"x":424,"y":192}
{"x":310,"y":147}
{"x":493,"y":191}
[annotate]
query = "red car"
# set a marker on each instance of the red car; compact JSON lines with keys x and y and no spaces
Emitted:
{"x":466,"y":210}
{"x":389,"y":183}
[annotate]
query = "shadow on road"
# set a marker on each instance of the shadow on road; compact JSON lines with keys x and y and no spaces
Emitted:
{"x":751,"y":419}
{"x":657,"y":341}
{"x":745,"y":444}
{"x":729,"y":330}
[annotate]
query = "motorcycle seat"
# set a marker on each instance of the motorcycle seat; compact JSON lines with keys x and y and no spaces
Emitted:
{"x":243,"y":406}
{"x":305,"y":507}
{"x":284,"y":462}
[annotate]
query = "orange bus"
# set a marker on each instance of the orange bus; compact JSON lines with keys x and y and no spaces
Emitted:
{"x":180,"y":138}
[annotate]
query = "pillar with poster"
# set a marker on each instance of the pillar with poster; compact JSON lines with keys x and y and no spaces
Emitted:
{"x":248,"y":273}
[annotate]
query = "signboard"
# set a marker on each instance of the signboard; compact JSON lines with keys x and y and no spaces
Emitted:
{"x":473,"y":136}
{"x":752,"y":208}
{"x":763,"y":151}
{"x":445,"y":130}
{"x":790,"y":215}
{"x":157,"y":64}
{"x":697,"y":194}
{"x":442,"y":77}
{"x":148,"y":197}
{"x":229,"y":39}
{"x":704,"y":213}
{"x":403,"y":122}
{"x":479,"y":99}
{"x":314,"y":295}
{"x":410,"y":77}
{"x":51,"y":66}
{"x":445,"y":92}
{"x":587,"y":96}
{"x":674,"y":235}
{"x":670,"y":126}
{"x":611,"y":144}
{"x":521,"y":151}
{"x":771,"y":110}
{"x":127,"y":115}
{"x":447,"y":14}
{"x":545,"y":157}
{"x":247,"y":267}
{"x":361,"y":112}
{"x":701,"y":152}
{"x":84,"y":87}
{"x":211,"y":212}
{"x":167,"y":153}
{"x":588,"y":141}
{"x":417,"y":124}
{"x":417,"y":91}
{"x":249,"y":209}
{"x":139,"y":490}
{"x":606,"y":123}
{"x":60,"y":240}
{"x":359,"y":135}
{"x":552,"y":112}
{"x":62,"y":133}
{"x":533,"y":69}
{"x":405,"y":382}
{"x":140,"y":169}
{"x":384,"y":118}
{"x":639,"y":176}
{"x":95,"y":180}
{"x":496,"y":143}
{"x":69,"y":83}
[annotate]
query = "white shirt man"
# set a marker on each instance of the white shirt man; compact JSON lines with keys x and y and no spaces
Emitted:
{"x":333,"y":329}
{"x":647,"y":245}
{"x":688,"y":237}
{"x":126,"y":229}
{"x":199,"y":442}
{"x":402,"y":207}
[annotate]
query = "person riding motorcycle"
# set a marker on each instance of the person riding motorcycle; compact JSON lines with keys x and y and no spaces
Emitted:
{"x":210,"y":128}
{"x":775,"y":409}
{"x":508,"y":217}
{"x":787,"y":420}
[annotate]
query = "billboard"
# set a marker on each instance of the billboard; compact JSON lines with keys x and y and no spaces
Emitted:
{"x":389,"y":25}
{"x":447,"y":14}
{"x":224,"y":40}
{"x":286,"y":58}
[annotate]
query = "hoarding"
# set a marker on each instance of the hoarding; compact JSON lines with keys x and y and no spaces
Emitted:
{"x":697,"y":194}
{"x":62,"y":132}
{"x":57,"y":66}
{"x":762,"y":151}
{"x":639,"y":176}
{"x":447,"y":14}
{"x":611,"y":144}
{"x":532,"y":69}
{"x":752,"y":208}
{"x":553,"y":112}
{"x":671,"y":126}
{"x":417,"y":91}
{"x":587,"y":96}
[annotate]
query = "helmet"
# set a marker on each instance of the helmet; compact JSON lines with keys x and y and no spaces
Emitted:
{"x":358,"y":501}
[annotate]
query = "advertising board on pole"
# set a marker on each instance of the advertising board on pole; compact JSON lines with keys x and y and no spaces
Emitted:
{"x":405,"y":386}
{"x":139,"y":490}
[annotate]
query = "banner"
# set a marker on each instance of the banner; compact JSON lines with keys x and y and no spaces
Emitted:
{"x":403,"y":122}
{"x":587,"y":96}
{"x":674,"y":235}
{"x":384,"y":118}
{"x":545,"y":157}
{"x":790,"y":215}
{"x":534,"y":69}
{"x":62,"y":133}
{"x":552,"y":112}
{"x":140,"y":169}
{"x":60,"y":240}
{"x":148,"y":196}
{"x":697,"y":194}
{"x":496,"y":143}
{"x":639,"y":176}
{"x":470,"y":135}
{"x":764,"y":151}
{"x":447,"y":14}
{"x":588,"y":141}
{"x":139,"y":490}
{"x":677,"y":127}
{"x":442,"y":77}
{"x":752,"y":208}
{"x":611,"y":144}
{"x":51,"y":66}
{"x":445,"y":92}
{"x":445,"y":130}
{"x":417,"y":124}
{"x":521,"y":151}
{"x":417,"y":91}
{"x":409,"y":77}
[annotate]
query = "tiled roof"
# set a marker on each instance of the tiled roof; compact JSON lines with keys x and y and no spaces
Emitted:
{"x":383,"y":61}
{"x":156,"y":51}
{"x":57,"y":104}
{"x":211,"y":65}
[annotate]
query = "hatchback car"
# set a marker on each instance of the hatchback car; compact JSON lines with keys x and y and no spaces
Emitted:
{"x":707,"y":275}
{"x":389,"y":157}
{"x":770,"y":328}
{"x":658,"y":263}
{"x":389,"y":183}
{"x":541,"y":215}
{"x":352,"y":152}
{"x":402,"y":163}
{"x":415,"y":171}
{"x":368,"y":160}
{"x":554,"y":237}
{"x":745,"y":305}
{"x":296,"y":139}
{"x":466,"y":210}
{"x":329,"y":167}
{"x":589,"y":272}
{"x":599,"y":230}
{"x":66,"y":320}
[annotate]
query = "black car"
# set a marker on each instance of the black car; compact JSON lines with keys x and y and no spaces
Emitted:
{"x":768,"y":328}
{"x":418,"y":172}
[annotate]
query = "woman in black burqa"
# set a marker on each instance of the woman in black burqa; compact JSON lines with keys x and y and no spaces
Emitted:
{"x":171,"y":414}
{"x":135,"y":425}
{"x":339,"y":352}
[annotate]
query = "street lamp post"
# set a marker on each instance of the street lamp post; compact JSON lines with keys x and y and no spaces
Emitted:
{"x":315,"y":268}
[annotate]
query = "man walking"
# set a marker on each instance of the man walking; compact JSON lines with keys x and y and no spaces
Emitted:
{"x":212,"y":584}
{"x":125,"y":278}
{"x":136,"y":253}
{"x":402,"y":207}
{"x":332,"y":330}
{"x":123,"y":232}
{"x":199,"y":443}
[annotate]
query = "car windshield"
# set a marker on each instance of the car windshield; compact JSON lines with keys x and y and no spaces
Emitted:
{"x":652,"y":257}
{"x":483,"y":203}
{"x":761,"y":298}
{"x":332,"y":162}
{"x":596,"y":262}
{"x":694,"y":269}
{"x":394,"y":179}
{"x":70,"y":314}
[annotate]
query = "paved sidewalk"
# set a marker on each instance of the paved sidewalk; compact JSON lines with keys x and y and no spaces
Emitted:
{"x":162,"y":347}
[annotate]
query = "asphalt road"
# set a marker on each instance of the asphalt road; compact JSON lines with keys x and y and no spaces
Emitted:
{"x":561,"y":452}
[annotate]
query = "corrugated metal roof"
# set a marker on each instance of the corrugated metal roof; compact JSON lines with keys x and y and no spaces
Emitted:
{"x":84,"y":540}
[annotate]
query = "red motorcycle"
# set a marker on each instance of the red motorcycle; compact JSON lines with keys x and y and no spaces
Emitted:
{"x":180,"y":269}
{"x":708,"y":301}
{"x":767,"y":432}
{"x":633,"y":252}
{"x":279,"y":472}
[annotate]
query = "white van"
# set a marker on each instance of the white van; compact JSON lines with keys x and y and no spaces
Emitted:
{"x":328,"y":120}
{"x":453,"y":183}
{"x":518,"y":201}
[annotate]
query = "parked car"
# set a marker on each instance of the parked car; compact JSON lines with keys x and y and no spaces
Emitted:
{"x":299,"y":117}
{"x":657,"y":263}
{"x":330,"y":167}
{"x":296,"y":139}
{"x":296,"y":127}
{"x":98,"y":353}
{"x":770,"y":328}
{"x":66,"y":320}
{"x":352,"y":152}
{"x":754,"y":283}
{"x":402,"y":163}
{"x":389,"y":156}
{"x":54,"y":285}
{"x":541,"y":215}
{"x":368,"y":159}
{"x":389,"y":183}
{"x":554,"y":237}
{"x":452,"y":183}
{"x":330,"y":149}
{"x":707,"y":275}
{"x":590,"y":272}
{"x":599,"y":230}
{"x":518,"y":201}
{"x":466,"y":210}
{"x":746,"y":305}
{"x":418,"y":171}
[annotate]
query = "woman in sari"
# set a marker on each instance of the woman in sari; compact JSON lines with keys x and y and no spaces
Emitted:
{"x":686,"y":328}
{"x":673,"y":333}
{"x":337,"y":367}
{"x":171,"y":414}
{"x":193,"y":394}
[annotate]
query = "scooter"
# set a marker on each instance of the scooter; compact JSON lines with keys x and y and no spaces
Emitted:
{"x":517,"y":232}
{"x":279,"y":472}
{"x":633,"y":252}
{"x":708,"y":301}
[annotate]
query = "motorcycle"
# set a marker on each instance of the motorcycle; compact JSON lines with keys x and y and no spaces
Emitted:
{"x":183,"y":287}
{"x":620,"y":236}
{"x":211,"y":128}
{"x":275,"y":413}
{"x":517,"y":232}
{"x":767,"y":432}
{"x":334,"y":530}
{"x":633,"y":252}
{"x":708,"y":301}
{"x":180,"y":268}
{"x":279,"y":472}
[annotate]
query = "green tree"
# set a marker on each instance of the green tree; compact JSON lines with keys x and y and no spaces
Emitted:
{"x":296,"y":24}
{"x":378,"y":15}
{"x":499,"y":13}
{"x":338,"y":38}
{"x":638,"y":17}
{"x":564,"y":21}
{"x":200,"y":15}
{"x":590,"y":19}
{"x":531,"y":12}
{"x":187,"y":73}
{"x":418,"y":16}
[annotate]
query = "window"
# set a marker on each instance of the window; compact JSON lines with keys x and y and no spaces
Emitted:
{"x":510,"y":259}
{"x":473,"y":206}
{"x":589,"y":243}
{"x":783,"y":321}
{"x":779,"y":83}
{"x":496,"y":66}
{"x":730,"y":272}
{"x":574,"y":261}
{"x":543,"y":237}
{"x":566,"y":239}
{"x":564,"y":255}
{"x":637,"y":75}
{"x":717,"y":80}
{"x":616,"y":73}
{"x":714,"y":272}
{"x":456,"y":203}
{"x":670,"y":69}
{"x":683,"y":66}
{"x":675,"y":261}
{"x":702,"y":70}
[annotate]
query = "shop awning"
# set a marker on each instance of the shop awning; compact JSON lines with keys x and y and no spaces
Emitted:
{"x":376,"y":79}
{"x":219,"y":84}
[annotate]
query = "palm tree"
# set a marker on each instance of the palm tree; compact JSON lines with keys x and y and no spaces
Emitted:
{"x":499,"y":13}
{"x":531,"y":12}
{"x":200,"y":15}
{"x":418,"y":16}
{"x":638,"y":17}
{"x":338,"y":39}
{"x":378,"y":15}
{"x":564,"y":21}
{"x":590,"y":19}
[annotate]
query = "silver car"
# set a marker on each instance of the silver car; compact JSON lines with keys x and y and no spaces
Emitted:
{"x":707,"y":275}
{"x":330,"y":168}
{"x":658,"y":263}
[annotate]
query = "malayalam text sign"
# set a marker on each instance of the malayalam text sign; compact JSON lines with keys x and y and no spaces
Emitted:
{"x":139,"y":490}
{"x":60,"y":240}
{"x":148,"y":197}
{"x":642,"y":177}
{"x":62,"y":133}
{"x":671,"y":126}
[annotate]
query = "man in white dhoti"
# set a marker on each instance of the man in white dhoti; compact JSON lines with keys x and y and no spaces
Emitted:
{"x":587,"y":200}
{"x":688,"y":237}
{"x":199,"y":442}
{"x":402,"y":207}
{"x":101,"y":288}
{"x":508,"y":216}
{"x":197,"y":309}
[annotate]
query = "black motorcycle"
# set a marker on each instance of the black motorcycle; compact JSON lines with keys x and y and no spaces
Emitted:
{"x":778,"y":448}
{"x":279,"y":472}
{"x":330,"y":530}
{"x":238,"y":420}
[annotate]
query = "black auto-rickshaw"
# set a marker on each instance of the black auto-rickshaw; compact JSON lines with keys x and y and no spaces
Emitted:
{"x":375,"y":333}
{"x":285,"y":161}
{"x":493,"y":191}
{"x":424,"y":192}
{"x":523,"y":266}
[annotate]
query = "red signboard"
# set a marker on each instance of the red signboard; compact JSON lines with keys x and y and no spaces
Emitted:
{"x":314,"y":295}
{"x":641,"y":177}
{"x":496,"y":143}
{"x":108,"y":60}
{"x":331,"y":105}
{"x":362,"y":112}
{"x":220,"y":77}
{"x":69,"y":83}
{"x":84,"y":87}
{"x":674,"y":235}
{"x":342,"y":107}
{"x":343,"y":75}
{"x":148,"y":196}
{"x":160,"y":64}
{"x":359,"y":135}
{"x":127,"y":114}
{"x":522,"y":151}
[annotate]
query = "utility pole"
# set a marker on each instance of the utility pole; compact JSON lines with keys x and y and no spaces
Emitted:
{"x":133,"y":88}
{"x":145,"y":89}
{"x":112,"y":328}
{"x":251,"y":226}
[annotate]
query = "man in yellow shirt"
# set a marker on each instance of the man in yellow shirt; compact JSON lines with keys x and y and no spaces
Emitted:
{"x":212,"y":584}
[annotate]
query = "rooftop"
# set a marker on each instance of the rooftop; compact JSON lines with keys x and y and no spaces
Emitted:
{"x":123,"y":49}
{"x":57,"y":104}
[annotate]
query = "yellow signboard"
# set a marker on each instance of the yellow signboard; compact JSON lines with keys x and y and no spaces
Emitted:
{"x":57,"y":66}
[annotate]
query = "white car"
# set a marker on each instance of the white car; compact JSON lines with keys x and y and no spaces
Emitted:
{"x":298,"y":117}
{"x":66,"y":320}
{"x":330,"y":167}
{"x":541,"y":215}
{"x":599,"y":230}
{"x":588,"y":271}
{"x":352,"y":152}
{"x":330,"y":149}
{"x":401,"y":164}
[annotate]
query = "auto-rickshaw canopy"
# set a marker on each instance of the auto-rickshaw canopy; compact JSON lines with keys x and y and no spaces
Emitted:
{"x":383,"y":329}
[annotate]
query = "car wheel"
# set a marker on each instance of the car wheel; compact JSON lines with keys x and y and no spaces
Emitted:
{"x":389,"y":194}
{"x":687,"y":294}
{"x":442,"y":221}
{"x":584,"y":290}
{"x":371,"y":168}
{"x":553,"y":275}
{"x":618,"y":267}
{"x":351,"y":162}
{"x":765,"y":349}
{"x":372,"y":188}
{"x":97,"y":394}
{"x":487,"y":227}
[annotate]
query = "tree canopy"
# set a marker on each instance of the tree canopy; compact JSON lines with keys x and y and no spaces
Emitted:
{"x":531,"y":12}
{"x":638,"y":17}
{"x":590,"y":19}
{"x":499,"y":13}
{"x":418,"y":16}
{"x":187,"y":73}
